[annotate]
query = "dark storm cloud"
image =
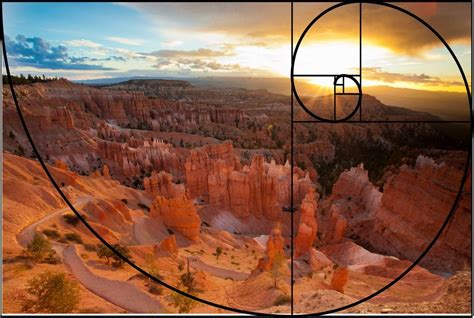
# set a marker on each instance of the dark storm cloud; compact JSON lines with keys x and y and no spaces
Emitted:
{"x":36,"y":52}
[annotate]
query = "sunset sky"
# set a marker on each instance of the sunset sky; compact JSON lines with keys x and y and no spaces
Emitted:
{"x":97,"y":40}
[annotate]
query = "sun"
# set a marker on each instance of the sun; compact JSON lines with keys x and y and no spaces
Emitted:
{"x":335,"y":57}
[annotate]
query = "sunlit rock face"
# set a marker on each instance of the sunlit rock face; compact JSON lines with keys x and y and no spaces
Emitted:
{"x":162,"y":184}
{"x":177,"y":213}
{"x":404,"y":218}
{"x":128,"y":160}
{"x":339,"y":279}
{"x":355,"y":184}
{"x":167,"y":247}
{"x":215,"y":175}
{"x":415,"y":203}
{"x":274,"y":250}
{"x":308,"y":226}
{"x":201,"y":162}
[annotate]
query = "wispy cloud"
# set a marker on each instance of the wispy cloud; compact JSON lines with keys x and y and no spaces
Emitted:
{"x":201,"y":60}
{"x":39,"y":53}
{"x":377,"y":74}
{"x":198,"y":53}
{"x":183,"y":64}
{"x":83,"y":43}
{"x":125,"y":41}
{"x":171,"y":43}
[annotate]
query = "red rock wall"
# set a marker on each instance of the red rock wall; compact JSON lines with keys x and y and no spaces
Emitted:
{"x":404,"y":219}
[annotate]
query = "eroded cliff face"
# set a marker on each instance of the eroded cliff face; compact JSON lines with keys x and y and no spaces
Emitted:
{"x":350,"y":210}
{"x":162,"y":184}
{"x":127,"y":160}
{"x":214,"y":174}
{"x":179,"y":214}
{"x":415,"y":203}
{"x":354,"y":185}
{"x":113,"y":215}
{"x":205,"y":161}
{"x":404,"y":218}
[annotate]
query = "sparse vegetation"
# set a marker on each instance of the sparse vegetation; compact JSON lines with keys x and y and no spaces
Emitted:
{"x":53,"y":234}
{"x":39,"y":250}
{"x":188,"y":283}
{"x":29,"y":79}
{"x":51,"y":293}
{"x":282,"y":300}
{"x":63,"y":240}
{"x":52,"y":258}
{"x":71,"y":219}
{"x":218,"y":252}
{"x":183,"y":303}
{"x":152,"y":268}
{"x":180,"y":267}
{"x":276,"y":269}
{"x":187,"y":280}
{"x":104,"y":252}
{"x":90,"y":247}
{"x":73,"y":237}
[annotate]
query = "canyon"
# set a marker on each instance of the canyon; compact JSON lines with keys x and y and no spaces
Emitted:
{"x":199,"y":181}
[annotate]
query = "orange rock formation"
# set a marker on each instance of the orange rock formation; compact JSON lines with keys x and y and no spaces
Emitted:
{"x":308,"y":227}
{"x":275,"y":248}
{"x":214,"y":174}
{"x":167,"y":247}
{"x":404,"y":219}
{"x":179,"y":214}
{"x":162,"y":184}
{"x":339,"y":279}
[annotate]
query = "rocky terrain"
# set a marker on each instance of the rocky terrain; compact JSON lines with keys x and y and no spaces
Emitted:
{"x":196,"y":183}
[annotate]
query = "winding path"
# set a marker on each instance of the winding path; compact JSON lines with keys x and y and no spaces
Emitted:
{"x":225,"y":273}
{"x":26,"y":235}
{"x":120,"y":293}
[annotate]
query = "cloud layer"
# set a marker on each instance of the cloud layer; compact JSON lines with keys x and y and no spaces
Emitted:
{"x":377,"y":74}
{"x":270,"y":22}
{"x":38,"y":53}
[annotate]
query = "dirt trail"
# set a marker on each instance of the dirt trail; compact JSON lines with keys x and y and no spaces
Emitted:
{"x":196,"y":263}
{"x":120,"y":293}
{"x":27,"y":234}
